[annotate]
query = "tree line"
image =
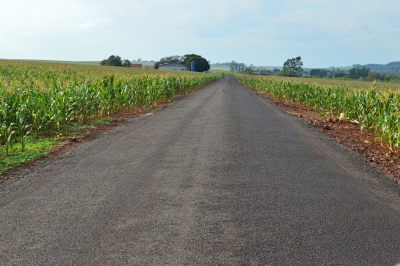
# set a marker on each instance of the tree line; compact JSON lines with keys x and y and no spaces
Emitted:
{"x":353,"y":73}
{"x":115,"y":61}
{"x":238,"y":67}
{"x":294,"y":68}
{"x":201,"y":63}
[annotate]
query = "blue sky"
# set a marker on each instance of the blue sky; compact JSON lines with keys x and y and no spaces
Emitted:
{"x":261,"y":32}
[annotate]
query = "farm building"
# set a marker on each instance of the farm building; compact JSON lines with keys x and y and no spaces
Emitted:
{"x":173,"y":66}
{"x":136,"y":65}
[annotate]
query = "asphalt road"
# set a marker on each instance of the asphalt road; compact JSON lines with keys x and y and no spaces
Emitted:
{"x":220,"y":177}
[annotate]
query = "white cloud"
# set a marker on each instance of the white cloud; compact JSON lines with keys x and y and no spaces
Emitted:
{"x":94,"y":24}
{"x":349,"y":27}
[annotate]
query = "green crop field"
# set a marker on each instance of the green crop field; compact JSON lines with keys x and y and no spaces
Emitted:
{"x":353,"y":84}
{"x":47,"y":100}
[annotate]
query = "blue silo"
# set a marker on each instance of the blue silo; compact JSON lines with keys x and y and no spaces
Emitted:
{"x":193,"y":66}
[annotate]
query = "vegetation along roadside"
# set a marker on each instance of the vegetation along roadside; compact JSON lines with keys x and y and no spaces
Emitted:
{"x":43,"y":104}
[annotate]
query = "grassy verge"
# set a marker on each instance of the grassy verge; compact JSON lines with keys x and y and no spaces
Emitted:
{"x":38,"y":148}
{"x":34,"y":150}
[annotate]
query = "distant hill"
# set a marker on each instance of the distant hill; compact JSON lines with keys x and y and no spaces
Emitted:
{"x":392,"y":67}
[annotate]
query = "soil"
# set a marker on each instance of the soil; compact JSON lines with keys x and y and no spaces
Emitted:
{"x":346,"y":133}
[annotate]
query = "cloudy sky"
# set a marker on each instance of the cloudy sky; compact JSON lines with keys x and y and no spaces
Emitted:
{"x":261,"y":32}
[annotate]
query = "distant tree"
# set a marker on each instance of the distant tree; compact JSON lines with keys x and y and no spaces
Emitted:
{"x":357,"y":73}
{"x":241,"y":66}
{"x":293,"y":67}
{"x":363,"y":72}
{"x":169,"y":60}
{"x":112,"y":61}
{"x":266,"y":72}
{"x":389,"y":77}
{"x":236,"y":66}
{"x":201,"y":63}
{"x":353,"y":73}
{"x":126,"y":63}
{"x":339,"y":74}
{"x":280,"y":73}
{"x":232,"y":65}
{"x":375,"y":76}
{"x":319,"y":73}
{"x":248,"y":70}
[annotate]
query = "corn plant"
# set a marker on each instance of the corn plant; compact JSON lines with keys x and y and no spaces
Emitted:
{"x":47,"y":99}
{"x":6,"y":136}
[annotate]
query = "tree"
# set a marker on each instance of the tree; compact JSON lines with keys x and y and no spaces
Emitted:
{"x":372,"y":75}
{"x":232,"y":65}
{"x":237,"y":66}
{"x":248,"y":70}
{"x":112,"y":61}
{"x":356,"y":72}
{"x":293,"y":67}
{"x":169,"y":60}
{"x":318,"y":73}
{"x":201,"y":63}
{"x":340,"y":74}
{"x":241,"y":66}
{"x":126,"y":63}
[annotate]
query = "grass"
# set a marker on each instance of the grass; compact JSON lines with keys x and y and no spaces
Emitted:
{"x":34,"y":149}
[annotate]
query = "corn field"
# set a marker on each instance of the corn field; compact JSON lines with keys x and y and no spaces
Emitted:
{"x":44,"y":99}
{"x":373,"y":109}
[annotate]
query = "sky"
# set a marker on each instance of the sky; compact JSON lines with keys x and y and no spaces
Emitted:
{"x":324,"y":33}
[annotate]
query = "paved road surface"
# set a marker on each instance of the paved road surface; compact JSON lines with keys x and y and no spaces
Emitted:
{"x":221,"y":177}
